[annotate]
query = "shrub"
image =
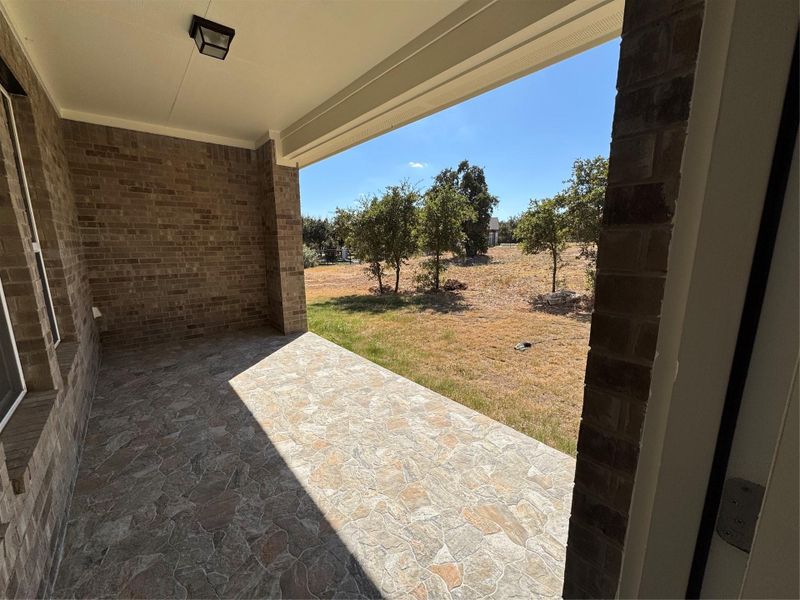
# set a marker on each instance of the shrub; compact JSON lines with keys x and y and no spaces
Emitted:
{"x":310,"y":257}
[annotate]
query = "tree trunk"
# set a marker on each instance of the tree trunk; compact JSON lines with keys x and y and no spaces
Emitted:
{"x":555,"y":266}
{"x":436,"y":273}
{"x":396,"y":278}
{"x":380,"y":281}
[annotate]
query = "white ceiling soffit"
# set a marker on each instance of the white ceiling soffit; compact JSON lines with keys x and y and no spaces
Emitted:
{"x":317,"y":76}
{"x":449,"y":63}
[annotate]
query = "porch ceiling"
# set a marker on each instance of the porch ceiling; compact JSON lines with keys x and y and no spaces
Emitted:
{"x":316,"y":76}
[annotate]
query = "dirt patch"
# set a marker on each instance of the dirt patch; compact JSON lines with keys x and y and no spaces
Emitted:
{"x":505,"y":278}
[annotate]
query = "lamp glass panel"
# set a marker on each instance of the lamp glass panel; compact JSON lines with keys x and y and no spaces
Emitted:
{"x":210,"y":50}
{"x":214,"y":37}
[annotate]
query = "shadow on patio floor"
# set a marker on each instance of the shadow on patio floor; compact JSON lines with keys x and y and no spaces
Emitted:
{"x":181,"y":493}
{"x":248,"y":464}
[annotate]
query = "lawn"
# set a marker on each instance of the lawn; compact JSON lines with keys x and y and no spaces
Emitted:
{"x":461,"y":344}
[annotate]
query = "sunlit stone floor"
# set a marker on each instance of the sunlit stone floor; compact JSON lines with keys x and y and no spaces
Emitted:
{"x":254,"y":465}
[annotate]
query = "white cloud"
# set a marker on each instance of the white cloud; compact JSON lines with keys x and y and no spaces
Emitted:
{"x":417,"y":165}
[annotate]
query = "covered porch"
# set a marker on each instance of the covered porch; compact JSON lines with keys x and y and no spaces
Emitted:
{"x":256,"y":465}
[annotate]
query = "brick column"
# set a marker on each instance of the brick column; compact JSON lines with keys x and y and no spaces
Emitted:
{"x":284,"y":242}
{"x":658,"y":53}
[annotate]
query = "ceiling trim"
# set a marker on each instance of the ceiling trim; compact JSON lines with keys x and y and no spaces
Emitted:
{"x":197,"y":136}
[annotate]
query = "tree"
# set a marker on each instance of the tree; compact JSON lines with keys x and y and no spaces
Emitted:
{"x":342,"y":225}
{"x":583,"y":201}
{"x":398,"y":208}
{"x":440,"y":228}
{"x":470,"y":180}
{"x":544,"y":228}
{"x":365,"y":234}
{"x":317,"y":233}
{"x":507,"y":234}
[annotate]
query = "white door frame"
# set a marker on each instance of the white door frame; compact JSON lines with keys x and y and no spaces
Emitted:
{"x":739,"y":88}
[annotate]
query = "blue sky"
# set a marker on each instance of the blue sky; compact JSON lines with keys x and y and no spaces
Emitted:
{"x":525,"y":134}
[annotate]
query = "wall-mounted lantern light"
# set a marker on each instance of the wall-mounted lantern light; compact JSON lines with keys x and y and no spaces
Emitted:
{"x":212,"y":39}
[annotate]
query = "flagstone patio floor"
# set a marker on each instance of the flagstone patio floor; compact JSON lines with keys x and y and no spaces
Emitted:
{"x":256,"y":465}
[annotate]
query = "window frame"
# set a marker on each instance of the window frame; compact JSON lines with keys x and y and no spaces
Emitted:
{"x":4,"y":419}
{"x":52,"y":319}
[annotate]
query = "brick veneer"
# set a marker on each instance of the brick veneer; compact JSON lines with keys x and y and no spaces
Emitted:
{"x":184,"y":238}
{"x":284,"y":251}
{"x":172,"y":232}
{"x":658,"y":53}
{"x":40,"y":446}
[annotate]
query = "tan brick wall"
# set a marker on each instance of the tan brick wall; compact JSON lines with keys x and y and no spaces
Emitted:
{"x":40,"y":447}
{"x":658,"y":53}
{"x":173,"y":233}
{"x":280,"y":187}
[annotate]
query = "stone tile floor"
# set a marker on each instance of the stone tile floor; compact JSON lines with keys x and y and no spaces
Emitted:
{"x":254,"y":465}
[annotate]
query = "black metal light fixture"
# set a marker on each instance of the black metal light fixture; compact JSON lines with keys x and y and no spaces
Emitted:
{"x":212,"y":39}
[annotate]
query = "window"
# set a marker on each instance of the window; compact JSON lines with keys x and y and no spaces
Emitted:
{"x":12,"y":384}
{"x":26,"y":196}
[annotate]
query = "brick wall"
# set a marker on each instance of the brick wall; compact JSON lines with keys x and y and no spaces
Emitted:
{"x":173,"y":232}
{"x":184,"y":238}
{"x":658,"y":53}
{"x":40,"y":446}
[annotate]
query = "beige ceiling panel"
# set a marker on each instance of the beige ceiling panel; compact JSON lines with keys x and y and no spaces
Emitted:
{"x":93,"y":62}
{"x":128,"y":61}
{"x":306,"y":49}
{"x":166,"y":17}
{"x":223,"y":98}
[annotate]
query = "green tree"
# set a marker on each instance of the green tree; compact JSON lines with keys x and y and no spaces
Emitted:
{"x":507,"y":234}
{"x":365,"y":236}
{"x":398,"y":209}
{"x":470,"y":180}
{"x":317,"y":233}
{"x":583,"y":201}
{"x":342,"y":225}
{"x":440,"y":227}
{"x":544,"y":228}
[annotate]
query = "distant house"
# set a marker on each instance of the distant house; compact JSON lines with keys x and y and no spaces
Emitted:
{"x":494,"y":231}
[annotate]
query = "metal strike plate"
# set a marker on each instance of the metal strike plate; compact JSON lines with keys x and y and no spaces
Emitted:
{"x":738,"y":512}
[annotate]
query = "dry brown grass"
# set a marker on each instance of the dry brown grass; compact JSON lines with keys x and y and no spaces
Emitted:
{"x":462,"y":344}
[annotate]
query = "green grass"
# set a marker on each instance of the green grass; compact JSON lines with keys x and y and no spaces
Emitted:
{"x":382,"y":346}
{"x":386,"y":330}
{"x":349,"y":328}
